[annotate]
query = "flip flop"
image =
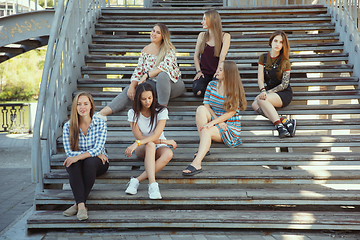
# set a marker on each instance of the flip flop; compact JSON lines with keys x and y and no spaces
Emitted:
{"x":207,"y":153}
{"x":192,"y":170}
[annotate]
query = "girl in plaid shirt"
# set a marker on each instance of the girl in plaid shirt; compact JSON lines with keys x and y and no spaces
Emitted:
{"x":84,"y":140}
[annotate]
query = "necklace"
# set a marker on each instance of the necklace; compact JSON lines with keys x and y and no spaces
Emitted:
{"x":274,"y":62}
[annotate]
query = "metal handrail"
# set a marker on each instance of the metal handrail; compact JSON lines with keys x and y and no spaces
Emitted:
{"x":70,"y":34}
{"x":345,"y":15}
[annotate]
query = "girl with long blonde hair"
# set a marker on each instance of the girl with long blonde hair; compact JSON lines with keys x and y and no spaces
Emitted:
{"x":219,"y":118}
{"x":157,"y":66}
{"x":211,"y":48}
{"x":84,"y":143}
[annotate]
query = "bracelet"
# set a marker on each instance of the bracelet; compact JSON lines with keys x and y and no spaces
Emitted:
{"x":138,"y":142}
{"x":148,"y":76}
{"x":198,"y":72}
{"x":261,"y":90}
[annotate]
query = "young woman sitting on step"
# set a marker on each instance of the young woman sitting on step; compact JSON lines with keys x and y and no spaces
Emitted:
{"x":213,"y":46}
{"x":219,"y":118}
{"x":157,"y":66}
{"x":147,"y":120}
{"x":84,"y":140}
{"x":274,"y":70}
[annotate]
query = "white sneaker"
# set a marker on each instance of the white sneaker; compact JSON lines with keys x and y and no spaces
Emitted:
{"x":98,"y":115}
{"x":154,"y":192}
{"x":133,"y":185}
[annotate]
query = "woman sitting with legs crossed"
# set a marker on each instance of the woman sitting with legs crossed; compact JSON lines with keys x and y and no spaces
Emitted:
{"x":219,"y":118}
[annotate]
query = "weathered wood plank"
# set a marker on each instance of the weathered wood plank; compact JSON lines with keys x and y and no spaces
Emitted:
{"x":201,"y":219}
{"x":198,"y":197}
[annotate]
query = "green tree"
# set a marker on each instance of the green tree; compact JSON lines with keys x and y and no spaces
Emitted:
{"x":20,"y":76}
{"x":50,"y":3}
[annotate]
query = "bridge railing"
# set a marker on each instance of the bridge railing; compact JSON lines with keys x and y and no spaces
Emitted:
{"x":70,"y":35}
{"x":345,"y":15}
{"x":129,"y":3}
{"x":17,"y":117}
{"x":10,"y":7}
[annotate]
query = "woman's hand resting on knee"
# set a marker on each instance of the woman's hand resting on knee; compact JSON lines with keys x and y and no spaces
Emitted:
{"x":223,"y":126}
{"x":263,"y":95}
{"x":103,"y":158}
{"x":170,"y":142}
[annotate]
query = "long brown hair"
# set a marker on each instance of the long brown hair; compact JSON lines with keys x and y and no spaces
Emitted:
{"x":75,"y":120}
{"x":233,"y":87}
{"x":155,"y":107}
{"x":166,"y":45}
{"x":213,"y":21}
{"x":285,"y":50}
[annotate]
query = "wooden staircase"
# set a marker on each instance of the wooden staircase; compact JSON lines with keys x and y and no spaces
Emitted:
{"x":310,"y":181}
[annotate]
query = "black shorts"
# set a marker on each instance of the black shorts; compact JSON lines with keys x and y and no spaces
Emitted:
{"x":286,"y":96}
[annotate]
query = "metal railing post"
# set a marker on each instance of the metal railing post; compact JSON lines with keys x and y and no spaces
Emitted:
{"x":70,"y":35}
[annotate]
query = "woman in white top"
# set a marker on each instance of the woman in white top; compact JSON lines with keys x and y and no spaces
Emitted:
{"x":147,"y":120}
{"x":157,"y":65}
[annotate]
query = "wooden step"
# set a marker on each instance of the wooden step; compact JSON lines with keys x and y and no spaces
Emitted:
{"x":191,"y":139}
{"x":247,"y":82}
{"x":294,"y":58}
{"x":297,"y":96}
{"x":225,"y":20}
{"x":243,"y":70}
{"x":226,"y":175}
{"x":192,"y":197}
{"x":176,"y":29}
{"x":187,"y":3}
{"x":236,"y":11}
{"x":206,"y":219}
{"x":235,"y":39}
{"x":231,"y":157}
{"x":118,"y":49}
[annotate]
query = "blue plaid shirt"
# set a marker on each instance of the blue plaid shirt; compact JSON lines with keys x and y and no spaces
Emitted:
{"x":93,"y":142}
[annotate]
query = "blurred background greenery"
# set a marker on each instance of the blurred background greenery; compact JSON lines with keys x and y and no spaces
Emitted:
{"x":20,"y":76}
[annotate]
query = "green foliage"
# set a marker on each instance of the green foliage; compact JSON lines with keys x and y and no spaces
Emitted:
{"x":20,"y":76}
{"x":50,"y":3}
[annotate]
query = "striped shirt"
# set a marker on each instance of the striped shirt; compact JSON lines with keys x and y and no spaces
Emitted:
{"x":231,"y":137}
{"x":93,"y":142}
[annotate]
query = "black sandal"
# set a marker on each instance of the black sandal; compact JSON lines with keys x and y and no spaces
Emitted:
{"x":207,"y":153}
{"x":192,"y":170}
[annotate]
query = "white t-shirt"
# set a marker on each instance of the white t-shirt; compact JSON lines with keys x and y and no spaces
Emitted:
{"x":144,"y":122}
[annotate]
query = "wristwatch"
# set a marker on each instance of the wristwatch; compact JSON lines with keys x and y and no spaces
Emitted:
{"x":138,"y":142}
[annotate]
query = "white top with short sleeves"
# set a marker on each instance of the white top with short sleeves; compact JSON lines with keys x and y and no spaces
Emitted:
{"x":144,"y":122}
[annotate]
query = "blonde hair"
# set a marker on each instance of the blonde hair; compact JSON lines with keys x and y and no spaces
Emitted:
{"x":166,"y":45}
{"x":214,"y":23}
{"x":233,"y":88}
{"x":285,"y":50}
{"x":75,"y":120}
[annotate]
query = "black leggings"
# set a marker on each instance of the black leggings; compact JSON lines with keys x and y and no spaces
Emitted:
{"x":82,"y":176}
{"x":201,"y":85}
